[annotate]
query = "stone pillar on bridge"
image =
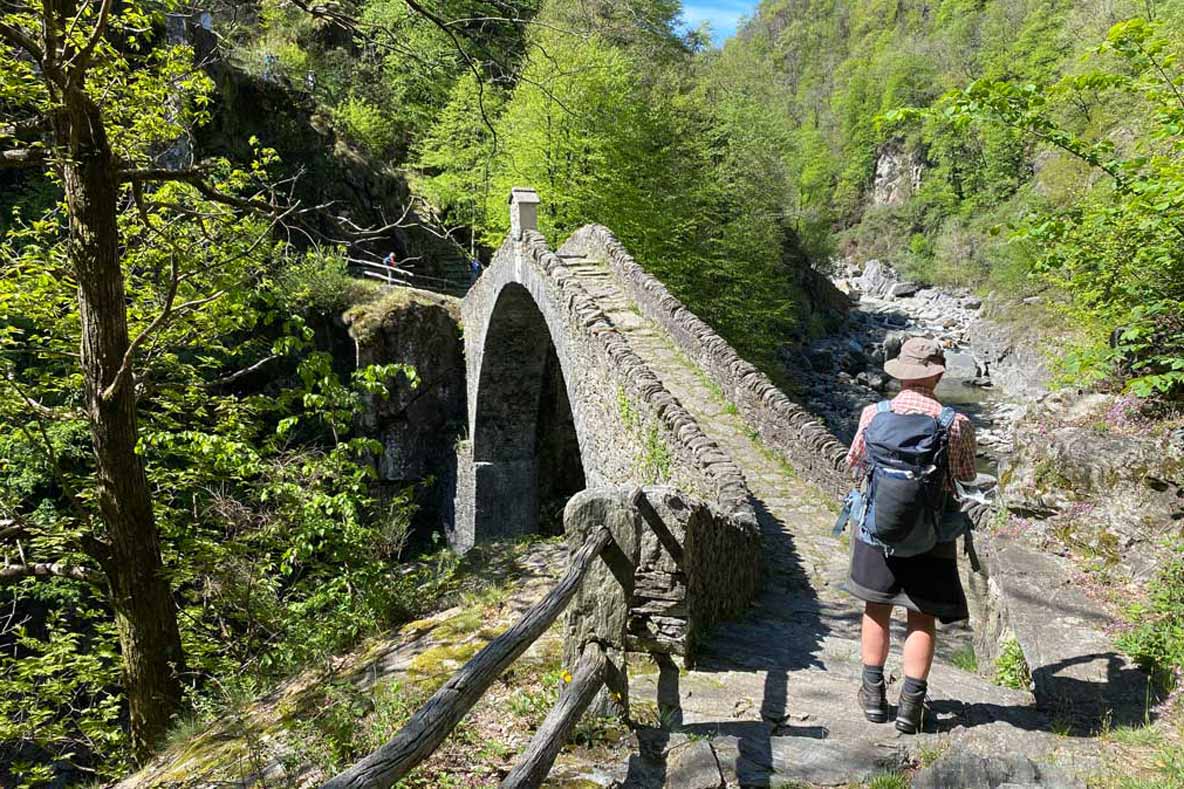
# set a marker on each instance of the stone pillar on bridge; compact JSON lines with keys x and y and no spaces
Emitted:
{"x":524,"y":211}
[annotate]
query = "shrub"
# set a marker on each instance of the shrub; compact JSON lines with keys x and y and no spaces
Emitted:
{"x":374,"y":127}
{"x":320,"y":283}
{"x":1156,"y":640}
{"x":1011,"y":668}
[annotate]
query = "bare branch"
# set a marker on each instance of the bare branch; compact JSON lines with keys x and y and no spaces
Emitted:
{"x":13,"y":529}
{"x":12,"y":573}
{"x":24,"y":127}
{"x":226,"y":380}
{"x":125,"y":366}
{"x":197,"y":179}
{"x":472,"y":64}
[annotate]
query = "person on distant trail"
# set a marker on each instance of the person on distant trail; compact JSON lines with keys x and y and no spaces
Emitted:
{"x":390,"y":262}
{"x":908,"y":453}
{"x":474,"y":270}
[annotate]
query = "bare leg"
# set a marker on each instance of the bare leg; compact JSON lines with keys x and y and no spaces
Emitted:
{"x":918,"y":645}
{"x":874,"y":632}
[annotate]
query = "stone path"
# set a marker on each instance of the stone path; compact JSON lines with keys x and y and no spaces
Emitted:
{"x":771,"y":700}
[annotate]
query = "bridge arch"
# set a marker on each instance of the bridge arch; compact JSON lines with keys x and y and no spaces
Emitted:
{"x":526,"y":443}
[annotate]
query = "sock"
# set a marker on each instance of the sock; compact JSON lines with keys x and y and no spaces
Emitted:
{"x":873,"y":675}
{"x":914,"y":687}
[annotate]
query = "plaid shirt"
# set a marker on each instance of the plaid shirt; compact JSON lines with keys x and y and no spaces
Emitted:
{"x":921,"y":400}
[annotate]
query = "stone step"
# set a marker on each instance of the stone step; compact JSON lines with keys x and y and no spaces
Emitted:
{"x":1077,"y":674}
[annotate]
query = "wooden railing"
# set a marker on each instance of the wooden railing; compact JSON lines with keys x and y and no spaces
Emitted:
{"x":436,"y":719}
{"x":400,"y":275}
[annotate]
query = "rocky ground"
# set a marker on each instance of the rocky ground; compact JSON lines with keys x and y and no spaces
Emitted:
{"x":987,"y":376}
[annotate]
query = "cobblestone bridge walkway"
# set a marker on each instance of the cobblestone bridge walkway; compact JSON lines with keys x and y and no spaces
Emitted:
{"x":771,"y":699}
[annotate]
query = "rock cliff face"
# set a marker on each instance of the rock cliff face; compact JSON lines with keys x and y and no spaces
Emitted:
{"x":1089,"y":473}
{"x":326,"y":168}
{"x":417,"y":425}
{"x":898,"y":174}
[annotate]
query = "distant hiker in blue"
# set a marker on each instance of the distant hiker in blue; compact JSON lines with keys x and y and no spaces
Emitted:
{"x":908,"y":453}
{"x":474,"y":270}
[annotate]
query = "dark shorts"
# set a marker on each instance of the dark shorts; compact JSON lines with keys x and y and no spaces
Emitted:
{"x":927,"y":584}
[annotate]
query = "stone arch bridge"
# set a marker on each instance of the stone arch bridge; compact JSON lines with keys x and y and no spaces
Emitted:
{"x":572,"y":359}
{"x":585,"y":374}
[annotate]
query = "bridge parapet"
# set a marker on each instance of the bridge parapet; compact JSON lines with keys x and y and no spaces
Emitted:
{"x":528,"y":311}
{"x":783,"y":425}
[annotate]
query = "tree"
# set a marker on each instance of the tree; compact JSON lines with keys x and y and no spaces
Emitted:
{"x":55,"y":50}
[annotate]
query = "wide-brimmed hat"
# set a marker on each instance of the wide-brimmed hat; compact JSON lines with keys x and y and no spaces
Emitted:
{"x":920,"y":357}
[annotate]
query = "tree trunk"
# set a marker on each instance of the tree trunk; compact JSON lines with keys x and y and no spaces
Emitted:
{"x":145,"y":613}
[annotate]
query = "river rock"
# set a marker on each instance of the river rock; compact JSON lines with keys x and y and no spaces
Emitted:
{"x":902,"y":289}
{"x":821,"y":360}
{"x":877,"y":279}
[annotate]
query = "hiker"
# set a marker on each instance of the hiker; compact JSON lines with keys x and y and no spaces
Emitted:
{"x":474,"y":270}
{"x":908,"y":452}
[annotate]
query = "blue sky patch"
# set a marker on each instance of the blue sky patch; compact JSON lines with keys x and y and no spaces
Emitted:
{"x":723,"y":16}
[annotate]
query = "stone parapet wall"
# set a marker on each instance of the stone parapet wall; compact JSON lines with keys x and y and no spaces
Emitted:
{"x":678,"y":567}
{"x":783,"y":425}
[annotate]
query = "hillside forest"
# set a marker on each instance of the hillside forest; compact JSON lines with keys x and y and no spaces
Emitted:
{"x":186,"y":508}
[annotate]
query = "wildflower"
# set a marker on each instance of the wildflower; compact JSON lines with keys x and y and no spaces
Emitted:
{"x":566,"y":677}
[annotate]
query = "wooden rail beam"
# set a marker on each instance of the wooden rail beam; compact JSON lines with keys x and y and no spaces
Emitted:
{"x":532,"y":769}
{"x":436,"y":719}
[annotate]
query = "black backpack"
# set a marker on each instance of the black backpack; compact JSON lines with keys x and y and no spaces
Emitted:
{"x":904,"y":496}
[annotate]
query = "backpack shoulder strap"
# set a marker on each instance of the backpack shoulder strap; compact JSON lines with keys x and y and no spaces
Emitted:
{"x":946,"y":417}
{"x":883,"y":407}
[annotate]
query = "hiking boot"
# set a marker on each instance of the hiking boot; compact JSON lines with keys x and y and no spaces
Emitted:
{"x":910,"y":712}
{"x":873,"y":701}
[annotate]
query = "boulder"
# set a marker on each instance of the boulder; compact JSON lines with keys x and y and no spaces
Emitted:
{"x":902,"y":289}
{"x":1012,"y":356}
{"x":821,"y":360}
{"x":877,"y":279}
{"x":1111,"y":491}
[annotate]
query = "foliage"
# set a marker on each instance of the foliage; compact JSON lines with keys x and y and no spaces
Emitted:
{"x":1011,"y":668}
{"x":276,"y":549}
{"x":888,"y":780}
{"x":273,"y":544}
{"x":965,"y":658}
{"x":1013,"y":148}
{"x":613,"y":127}
{"x":1116,"y":251}
{"x":371,"y":125}
{"x":1155,"y":638}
